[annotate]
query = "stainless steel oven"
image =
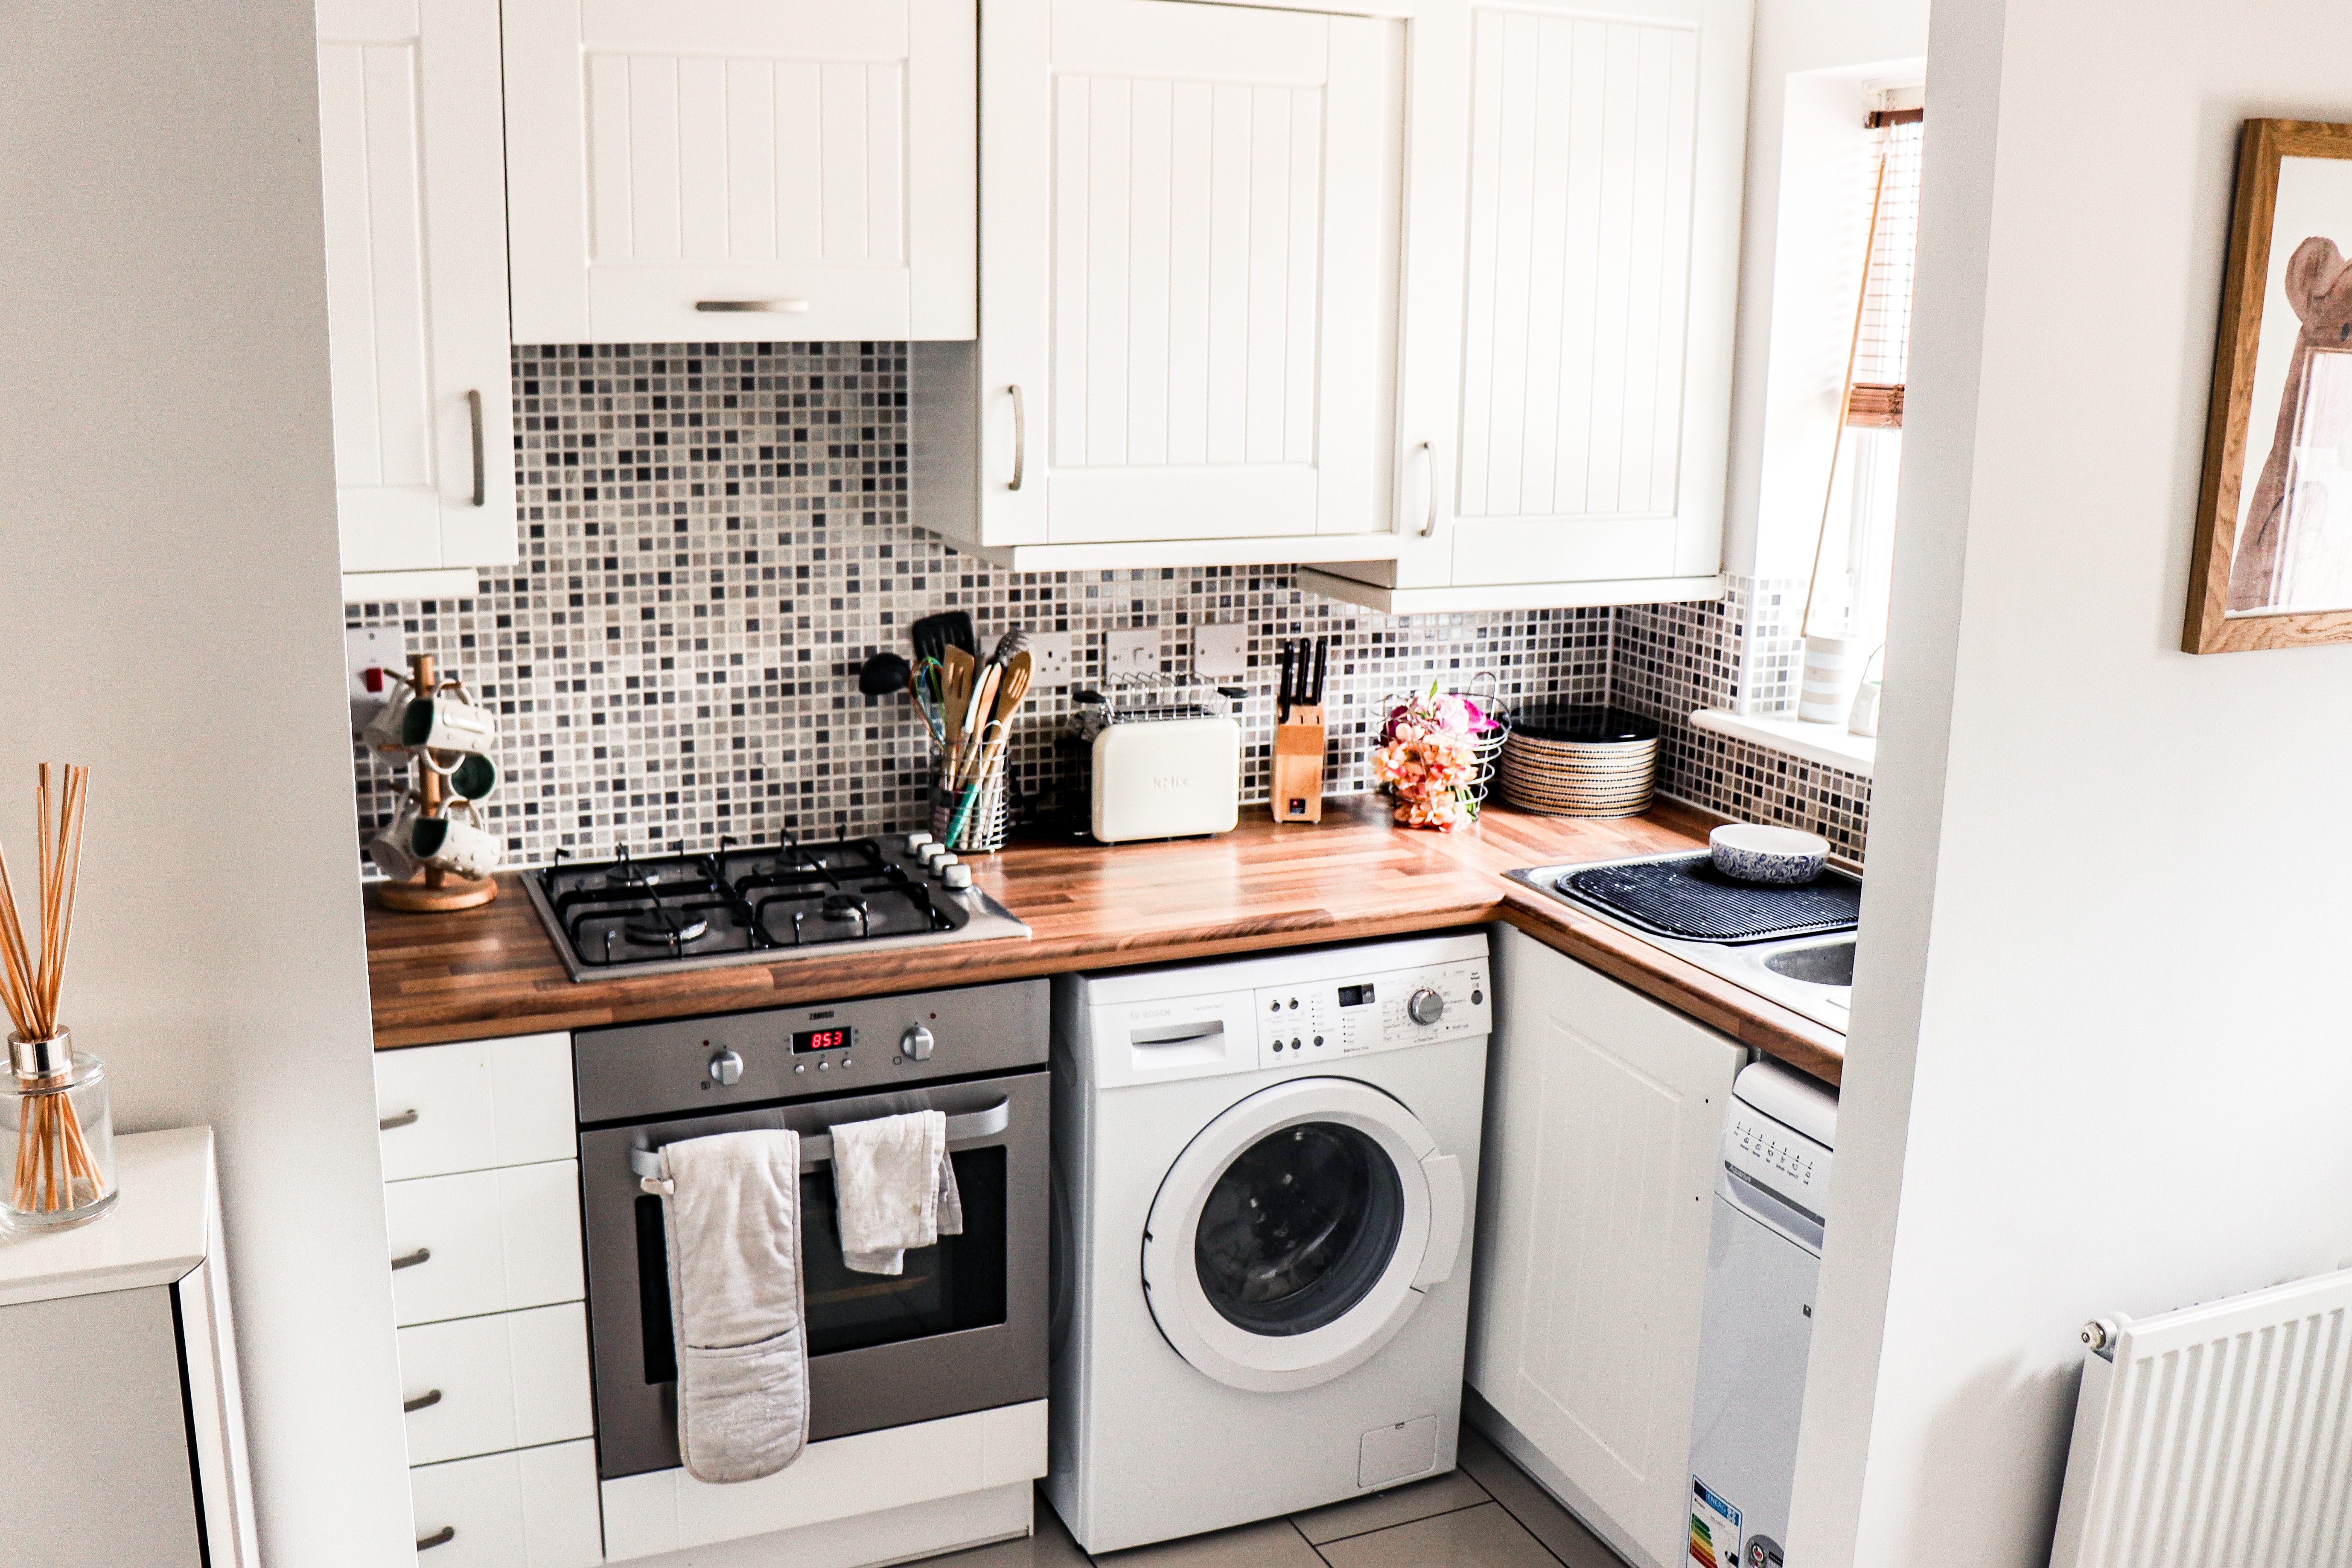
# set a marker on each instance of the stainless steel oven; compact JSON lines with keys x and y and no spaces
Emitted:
{"x":963,"y":1328}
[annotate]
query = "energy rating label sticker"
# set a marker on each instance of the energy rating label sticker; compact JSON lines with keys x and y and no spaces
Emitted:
{"x":1715,"y":1529}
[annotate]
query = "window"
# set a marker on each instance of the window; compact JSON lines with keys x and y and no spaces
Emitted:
{"x":1857,"y":544}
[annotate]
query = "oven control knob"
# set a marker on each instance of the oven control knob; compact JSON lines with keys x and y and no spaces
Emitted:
{"x":915,"y":1045}
{"x":726,"y":1068}
{"x":1424,"y":1007}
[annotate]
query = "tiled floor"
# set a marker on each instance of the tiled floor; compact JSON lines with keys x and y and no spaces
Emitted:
{"x":1486,"y":1514}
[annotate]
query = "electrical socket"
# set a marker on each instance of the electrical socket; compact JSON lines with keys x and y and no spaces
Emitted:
{"x":1221,"y":650}
{"x":1131,"y":650}
{"x":366,"y":649}
{"x":1049,"y":658}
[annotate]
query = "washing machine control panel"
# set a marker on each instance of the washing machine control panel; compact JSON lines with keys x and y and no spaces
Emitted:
{"x":1327,"y":1019}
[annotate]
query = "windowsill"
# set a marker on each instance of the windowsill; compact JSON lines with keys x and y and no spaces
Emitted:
{"x":1827,"y":744}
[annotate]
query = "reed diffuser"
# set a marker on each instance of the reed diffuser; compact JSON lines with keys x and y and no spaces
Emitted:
{"x":53,"y":1098}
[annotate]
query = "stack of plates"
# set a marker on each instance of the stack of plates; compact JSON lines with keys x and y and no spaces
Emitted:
{"x":1579,"y":761}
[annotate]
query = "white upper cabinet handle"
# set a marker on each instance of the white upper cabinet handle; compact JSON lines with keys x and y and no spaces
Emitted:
{"x":779,"y":307}
{"x":1429,"y":472}
{"x":1020,"y":439}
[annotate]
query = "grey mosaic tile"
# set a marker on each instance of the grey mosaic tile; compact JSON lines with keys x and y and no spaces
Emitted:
{"x":715,"y":536}
{"x":1744,"y":654}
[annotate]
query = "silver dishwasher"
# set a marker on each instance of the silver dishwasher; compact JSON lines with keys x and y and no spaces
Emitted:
{"x":1763,"y":1262}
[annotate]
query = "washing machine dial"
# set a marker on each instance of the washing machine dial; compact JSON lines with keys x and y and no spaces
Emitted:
{"x":1424,"y":1007}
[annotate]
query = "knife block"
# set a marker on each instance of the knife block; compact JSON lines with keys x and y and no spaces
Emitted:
{"x":1297,"y":793}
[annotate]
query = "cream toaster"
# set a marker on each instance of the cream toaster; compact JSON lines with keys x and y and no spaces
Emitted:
{"x":1167,"y":778}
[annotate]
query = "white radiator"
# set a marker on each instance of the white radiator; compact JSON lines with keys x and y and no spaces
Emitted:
{"x":2216,"y":1436}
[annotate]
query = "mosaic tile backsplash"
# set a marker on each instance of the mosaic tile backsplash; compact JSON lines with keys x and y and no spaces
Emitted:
{"x":1744,"y":654}
{"x":715,"y":537}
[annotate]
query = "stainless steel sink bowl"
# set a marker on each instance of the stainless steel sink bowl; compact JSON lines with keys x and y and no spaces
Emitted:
{"x":1823,"y":963}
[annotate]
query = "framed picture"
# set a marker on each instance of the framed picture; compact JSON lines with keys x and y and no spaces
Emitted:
{"x":2274,"y":561}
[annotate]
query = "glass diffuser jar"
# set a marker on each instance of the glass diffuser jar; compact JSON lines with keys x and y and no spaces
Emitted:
{"x":54,"y":1114}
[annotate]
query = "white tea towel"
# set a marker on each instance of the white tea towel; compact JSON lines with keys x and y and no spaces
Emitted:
{"x":735,"y":1306}
{"x":894,"y":1187}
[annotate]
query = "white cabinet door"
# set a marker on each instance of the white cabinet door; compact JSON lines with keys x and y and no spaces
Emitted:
{"x":536,"y":1508}
{"x":410,"y":128}
{"x":1188,"y":227}
{"x":740,"y":170}
{"x":473,"y":1105}
{"x":1572,"y":251}
{"x":484,"y":1241}
{"x":1592,"y":1264}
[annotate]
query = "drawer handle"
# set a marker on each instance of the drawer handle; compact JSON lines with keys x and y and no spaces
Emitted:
{"x":424,"y":1401}
{"x":414,"y":1258}
{"x":399,"y":1118}
{"x":778,"y":307}
{"x":441,"y":1537}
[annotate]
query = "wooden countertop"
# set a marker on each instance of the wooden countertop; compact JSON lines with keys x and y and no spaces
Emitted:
{"x":493,"y":971}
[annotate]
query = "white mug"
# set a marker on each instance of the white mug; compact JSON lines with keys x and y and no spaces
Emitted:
{"x":447,"y":844}
{"x":447,"y":721}
{"x":1867,"y":696}
{"x":382,"y":731}
{"x":389,"y":848}
{"x":472,"y":776}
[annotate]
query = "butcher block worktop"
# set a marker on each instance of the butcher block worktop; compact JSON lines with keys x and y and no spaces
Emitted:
{"x":493,"y":971}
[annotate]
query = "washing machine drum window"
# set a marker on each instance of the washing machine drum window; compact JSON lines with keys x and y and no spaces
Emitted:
{"x":1296,"y":1233}
{"x":1299,"y":1228}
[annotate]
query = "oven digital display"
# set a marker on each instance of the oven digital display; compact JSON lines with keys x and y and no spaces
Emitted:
{"x":806,"y":1040}
{"x":1354,"y":995}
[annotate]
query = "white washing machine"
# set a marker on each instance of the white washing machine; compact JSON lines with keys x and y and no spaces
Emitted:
{"x":1264,"y":1172}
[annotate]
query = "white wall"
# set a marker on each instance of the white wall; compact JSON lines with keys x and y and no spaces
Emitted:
{"x":2123,"y":1088}
{"x":169,"y":596}
{"x":1853,"y":37}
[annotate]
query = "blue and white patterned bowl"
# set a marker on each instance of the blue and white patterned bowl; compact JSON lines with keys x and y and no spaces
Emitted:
{"x":1753,"y":853}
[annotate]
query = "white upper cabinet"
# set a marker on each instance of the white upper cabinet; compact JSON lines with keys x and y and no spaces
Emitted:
{"x":1572,"y":252}
{"x":740,"y":170}
{"x":417,"y":290}
{"x":1190,"y":237}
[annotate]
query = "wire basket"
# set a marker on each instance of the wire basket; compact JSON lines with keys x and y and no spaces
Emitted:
{"x":1487,"y":750}
{"x":984,"y":821}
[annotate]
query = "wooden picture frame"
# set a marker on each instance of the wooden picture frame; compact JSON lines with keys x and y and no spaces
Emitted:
{"x":2272,"y":568}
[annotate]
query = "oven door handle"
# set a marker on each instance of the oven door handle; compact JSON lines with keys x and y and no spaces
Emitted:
{"x":816,"y":1147}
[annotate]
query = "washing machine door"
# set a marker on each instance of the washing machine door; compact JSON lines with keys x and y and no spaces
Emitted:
{"x":1294,"y":1236}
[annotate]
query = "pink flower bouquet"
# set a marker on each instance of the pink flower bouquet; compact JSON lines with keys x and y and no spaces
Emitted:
{"x":1428,"y":758}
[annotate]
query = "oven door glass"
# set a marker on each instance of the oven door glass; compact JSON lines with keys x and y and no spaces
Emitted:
{"x":958,"y":1284}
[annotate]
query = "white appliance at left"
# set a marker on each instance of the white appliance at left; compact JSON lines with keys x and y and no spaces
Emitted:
{"x":412,"y":151}
{"x":141,"y":1426}
{"x":1290,"y":1144}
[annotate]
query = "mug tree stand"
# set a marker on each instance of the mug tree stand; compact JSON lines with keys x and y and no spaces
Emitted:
{"x":432,"y":891}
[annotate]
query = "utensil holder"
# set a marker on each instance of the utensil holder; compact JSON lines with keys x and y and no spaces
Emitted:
{"x":1298,"y":785}
{"x":984,"y":828}
{"x":54,"y":1111}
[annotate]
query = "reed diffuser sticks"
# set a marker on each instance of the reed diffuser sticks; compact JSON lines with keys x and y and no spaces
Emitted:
{"x":55,"y":1167}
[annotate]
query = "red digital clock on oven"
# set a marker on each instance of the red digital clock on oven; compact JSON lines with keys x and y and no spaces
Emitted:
{"x":805,"y":1040}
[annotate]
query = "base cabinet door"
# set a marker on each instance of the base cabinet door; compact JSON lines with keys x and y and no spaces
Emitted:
{"x":533,"y":1508}
{"x":1594,"y":1207}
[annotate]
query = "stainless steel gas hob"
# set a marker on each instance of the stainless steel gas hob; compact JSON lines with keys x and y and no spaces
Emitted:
{"x":760,"y":905}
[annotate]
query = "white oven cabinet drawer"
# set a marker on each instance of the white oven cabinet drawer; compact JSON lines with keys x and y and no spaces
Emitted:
{"x":535,"y":1508}
{"x":474,"y":1105}
{"x":509,"y":1380}
{"x":495,"y":1241}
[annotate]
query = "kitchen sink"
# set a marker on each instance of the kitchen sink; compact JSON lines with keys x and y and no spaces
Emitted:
{"x":1810,"y":973}
{"x":1822,"y":963}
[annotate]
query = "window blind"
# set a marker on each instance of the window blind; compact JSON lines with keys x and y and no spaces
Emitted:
{"x":1884,"y":347}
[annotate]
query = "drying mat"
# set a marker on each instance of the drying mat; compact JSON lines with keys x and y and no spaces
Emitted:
{"x":1687,"y":897}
